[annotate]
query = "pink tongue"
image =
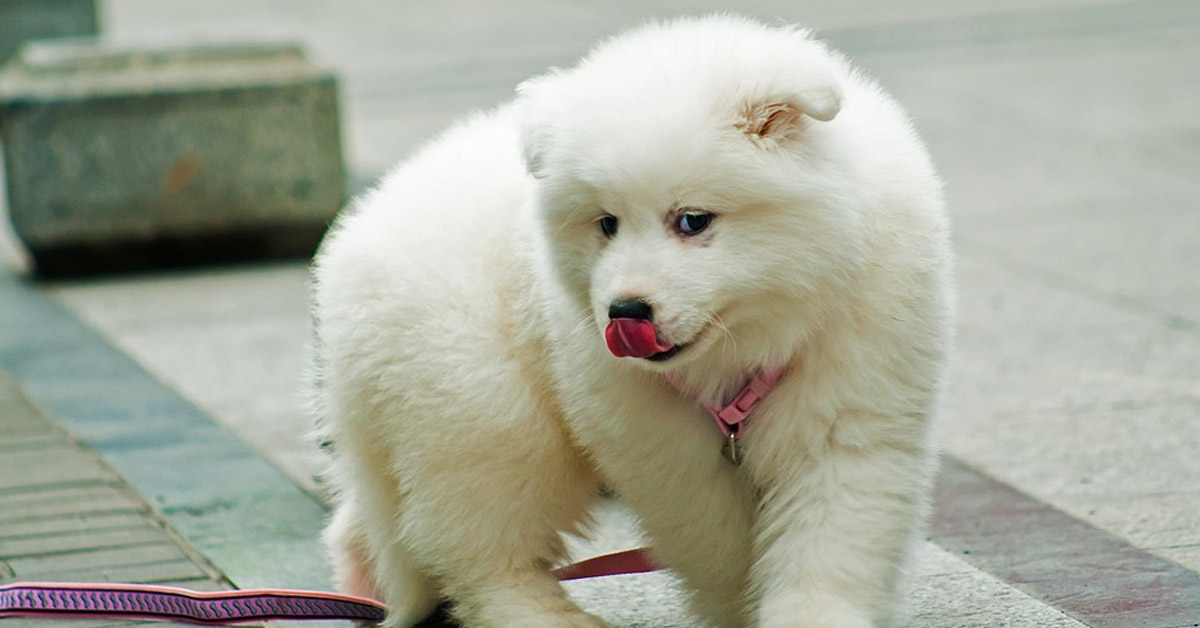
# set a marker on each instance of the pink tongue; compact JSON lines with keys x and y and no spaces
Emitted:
{"x":632,"y":338}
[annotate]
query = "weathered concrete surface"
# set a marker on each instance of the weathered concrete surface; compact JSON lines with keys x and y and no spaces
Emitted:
{"x":124,"y":156}
{"x":23,"y":20}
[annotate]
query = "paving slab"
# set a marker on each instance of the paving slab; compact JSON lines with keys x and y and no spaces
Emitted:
{"x":240,"y":353}
{"x":1089,"y":574}
{"x":235,"y":508}
{"x":977,"y":600}
{"x":66,"y":515}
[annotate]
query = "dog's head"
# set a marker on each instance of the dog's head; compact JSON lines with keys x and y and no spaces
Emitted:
{"x":690,"y":187}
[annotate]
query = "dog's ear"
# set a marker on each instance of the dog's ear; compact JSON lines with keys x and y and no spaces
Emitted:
{"x":535,"y":116}
{"x":779,"y":114}
{"x":782,"y":118}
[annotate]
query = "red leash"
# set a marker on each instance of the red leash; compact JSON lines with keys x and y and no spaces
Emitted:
{"x":617,"y":564}
{"x":31,"y":599}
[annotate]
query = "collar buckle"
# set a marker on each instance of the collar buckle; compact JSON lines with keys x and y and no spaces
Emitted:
{"x":732,"y":416}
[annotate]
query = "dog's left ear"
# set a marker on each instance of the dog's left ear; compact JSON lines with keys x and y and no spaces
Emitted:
{"x":780,"y":114}
{"x":782,"y":118}
{"x":535,"y":117}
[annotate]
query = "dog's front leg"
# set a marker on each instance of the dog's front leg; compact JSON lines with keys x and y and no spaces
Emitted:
{"x":836,"y":524}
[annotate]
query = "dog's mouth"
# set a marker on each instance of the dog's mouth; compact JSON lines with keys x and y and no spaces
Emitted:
{"x":663,"y":356}
{"x":638,"y":338}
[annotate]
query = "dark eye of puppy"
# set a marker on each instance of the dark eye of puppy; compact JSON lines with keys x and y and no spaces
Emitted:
{"x":608,"y":225}
{"x":692,"y":222}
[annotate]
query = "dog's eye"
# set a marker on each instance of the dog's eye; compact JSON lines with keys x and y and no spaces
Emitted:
{"x":608,"y":225}
{"x":690,"y":223}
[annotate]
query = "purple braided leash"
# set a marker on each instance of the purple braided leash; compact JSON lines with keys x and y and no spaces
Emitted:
{"x":154,"y":602}
{"x":143,"y":601}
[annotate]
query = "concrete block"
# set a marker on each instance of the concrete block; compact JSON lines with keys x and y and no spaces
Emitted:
{"x":23,"y":20}
{"x":138,"y":158}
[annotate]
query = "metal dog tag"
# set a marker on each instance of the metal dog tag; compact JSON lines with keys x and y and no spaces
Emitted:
{"x":731,"y":451}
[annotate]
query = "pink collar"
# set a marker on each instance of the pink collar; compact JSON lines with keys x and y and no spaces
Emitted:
{"x":731,"y":416}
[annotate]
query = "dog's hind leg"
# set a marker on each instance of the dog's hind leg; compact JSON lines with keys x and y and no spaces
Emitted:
{"x":348,"y":553}
{"x":409,"y":593}
{"x":487,"y":496}
{"x":493,"y":531}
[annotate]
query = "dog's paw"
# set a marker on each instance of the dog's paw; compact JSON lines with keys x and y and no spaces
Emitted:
{"x":566,"y":615}
{"x":560,"y":620}
{"x":807,"y":620}
{"x":577,"y":619}
{"x":585,"y":620}
{"x":814,"y":614}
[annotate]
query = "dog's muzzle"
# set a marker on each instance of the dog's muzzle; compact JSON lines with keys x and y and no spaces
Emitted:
{"x":633,"y":338}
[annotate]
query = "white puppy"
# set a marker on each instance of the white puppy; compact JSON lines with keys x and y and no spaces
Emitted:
{"x":549,"y":296}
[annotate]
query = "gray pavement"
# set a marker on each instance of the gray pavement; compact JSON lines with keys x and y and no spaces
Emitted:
{"x":66,"y":515}
{"x":1067,"y":134}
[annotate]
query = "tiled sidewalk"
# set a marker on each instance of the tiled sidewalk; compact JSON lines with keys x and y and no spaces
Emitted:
{"x":105,"y":471}
{"x":65,"y":515}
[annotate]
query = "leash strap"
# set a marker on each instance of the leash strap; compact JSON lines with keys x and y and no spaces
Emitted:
{"x":618,"y":564}
{"x":55,"y":599}
{"x":172,"y":604}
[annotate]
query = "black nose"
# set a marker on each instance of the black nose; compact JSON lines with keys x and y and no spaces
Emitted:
{"x":630,"y":308}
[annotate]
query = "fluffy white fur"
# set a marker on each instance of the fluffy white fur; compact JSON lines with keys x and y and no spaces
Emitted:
{"x":474,"y":407}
